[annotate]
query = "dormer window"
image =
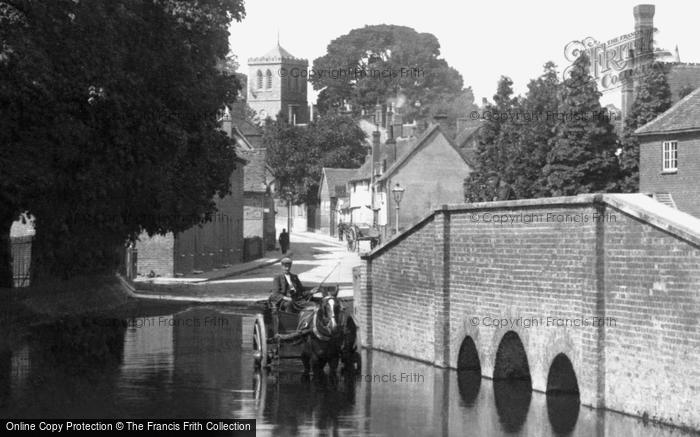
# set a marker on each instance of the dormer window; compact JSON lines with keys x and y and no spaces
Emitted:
{"x":670,"y":156}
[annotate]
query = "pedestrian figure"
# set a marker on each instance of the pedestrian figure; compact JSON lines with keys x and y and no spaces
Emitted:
{"x":284,"y":241}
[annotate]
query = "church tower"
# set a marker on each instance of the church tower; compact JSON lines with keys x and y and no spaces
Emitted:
{"x":277,"y":84}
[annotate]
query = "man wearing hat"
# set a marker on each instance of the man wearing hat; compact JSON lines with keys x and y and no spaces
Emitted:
{"x":287,"y":293}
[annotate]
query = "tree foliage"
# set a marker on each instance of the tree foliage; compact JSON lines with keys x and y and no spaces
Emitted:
{"x":387,"y":54}
{"x":582,"y":156}
{"x":494,"y":149}
{"x":109,"y":122}
{"x":652,"y":97}
{"x":297,"y":154}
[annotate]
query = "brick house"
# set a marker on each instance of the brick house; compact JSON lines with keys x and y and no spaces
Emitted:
{"x":259,"y":206}
{"x":332,"y":192}
{"x":669,"y":155}
{"x":432,"y":170}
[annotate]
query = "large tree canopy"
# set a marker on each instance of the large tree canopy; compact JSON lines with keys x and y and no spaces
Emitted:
{"x":109,"y":122}
{"x":297,"y":154}
{"x":382,"y":63}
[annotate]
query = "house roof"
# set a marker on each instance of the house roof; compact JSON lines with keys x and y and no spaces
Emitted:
{"x":277,"y":53}
{"x":364,"y":172}
{"x":254,"y":172}
{"x":467,"y":134}
{"x":336,"y":177}
{"x":684,"y":116}
{"x":430,"y":133}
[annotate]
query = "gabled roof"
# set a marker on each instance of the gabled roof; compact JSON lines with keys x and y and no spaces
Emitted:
{"x":467,"y":134}
{"x":424,"y":139}
{"x":337,"y":177}
{"x":364,"y":172}
{"x":684,"y":116}
{"x":254,"y":179}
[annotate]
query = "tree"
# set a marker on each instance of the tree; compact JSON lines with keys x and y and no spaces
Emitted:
{"x":377,"y":63}
{"x":298,"y":154}
{"x":497,"y":137}
{"x":459,"y":105}
{"x":538,"y":120}
{"x":109,"y":123}
{"x":652,"y":97}
{"x":582,"y":158}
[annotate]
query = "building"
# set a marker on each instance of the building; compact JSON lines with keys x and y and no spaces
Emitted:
{"x":669,"y":155}
{"x":277,"y":84}
{"x":259,"y":206}
{"x":681,"y":76}
{"x":215,"y":244}
{"x":431,"y":171}
{"x":332,"y":195}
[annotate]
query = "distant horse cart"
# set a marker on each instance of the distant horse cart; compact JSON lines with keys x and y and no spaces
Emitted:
{"x":354,"y":233}
{"x":324,"y":333}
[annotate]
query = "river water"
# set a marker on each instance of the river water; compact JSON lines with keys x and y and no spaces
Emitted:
{"x":198,"y":363}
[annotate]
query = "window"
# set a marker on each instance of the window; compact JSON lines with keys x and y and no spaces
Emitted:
{"x":296,"y":83}
{"x":268,"y":79}
{"x":260,"y":79}
{"x":670,"y":156}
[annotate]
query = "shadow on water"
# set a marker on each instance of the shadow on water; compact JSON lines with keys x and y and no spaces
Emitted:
{"x":563,"y":411}
{"x":469,"y":383}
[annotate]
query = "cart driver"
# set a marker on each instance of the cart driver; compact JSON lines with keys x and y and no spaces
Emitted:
{"x":287,"y":293}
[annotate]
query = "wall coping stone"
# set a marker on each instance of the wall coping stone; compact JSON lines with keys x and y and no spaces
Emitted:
{"x":639,"y":206}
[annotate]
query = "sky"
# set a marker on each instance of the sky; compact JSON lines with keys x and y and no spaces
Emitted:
{"x":483,"y":40}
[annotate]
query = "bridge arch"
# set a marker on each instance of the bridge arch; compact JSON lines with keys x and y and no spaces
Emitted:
{"x":468,"y":358}
{"x":511,"y":359}
{"x":563,"y":401}
{"x":561,"y":378}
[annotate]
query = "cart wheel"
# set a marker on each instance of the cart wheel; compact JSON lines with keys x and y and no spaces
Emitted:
{"x":260,"y":342}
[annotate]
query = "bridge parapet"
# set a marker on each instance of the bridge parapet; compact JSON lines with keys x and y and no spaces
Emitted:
{"x":610,"y":281}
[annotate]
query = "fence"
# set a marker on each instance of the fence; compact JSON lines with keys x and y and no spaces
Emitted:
{"x":21,"y":249}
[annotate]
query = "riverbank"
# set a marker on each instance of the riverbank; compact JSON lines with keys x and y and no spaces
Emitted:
{"x":103,"y":295}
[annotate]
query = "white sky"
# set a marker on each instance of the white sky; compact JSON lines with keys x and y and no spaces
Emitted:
{"x":481,"y":39}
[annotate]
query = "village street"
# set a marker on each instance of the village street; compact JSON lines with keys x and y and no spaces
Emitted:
{"x":315,"y":258}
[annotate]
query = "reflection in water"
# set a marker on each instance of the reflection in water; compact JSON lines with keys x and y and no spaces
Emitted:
{"x":198,"y":363}
{"x":469,"y":382}
{"x":563,"y":410}
{"x":512,"y":402}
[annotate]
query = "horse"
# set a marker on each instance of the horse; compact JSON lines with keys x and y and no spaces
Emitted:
{"x":331,"y":337}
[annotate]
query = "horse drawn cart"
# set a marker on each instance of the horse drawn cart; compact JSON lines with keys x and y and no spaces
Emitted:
{"x":292,"y":341}
{"x":354,"y":233}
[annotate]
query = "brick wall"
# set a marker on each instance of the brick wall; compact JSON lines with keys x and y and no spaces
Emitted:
{"x":155,"y":254}
{"x":684,"y":184}
{"x":552,"y":261}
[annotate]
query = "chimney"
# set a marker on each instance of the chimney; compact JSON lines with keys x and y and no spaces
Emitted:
{"x":390,"y":146}
{"x":462,"y":123}
{"x":389,"y":116}
{"x":227,"y":122}
{"x":441,"y":119}
{"x":644,"y":30}
{"x":378,"y":115}
{"x":376,"y":152}
{"x":398,"y":124}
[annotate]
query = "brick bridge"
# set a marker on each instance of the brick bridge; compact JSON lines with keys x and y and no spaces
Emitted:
{"x":597,"y":294}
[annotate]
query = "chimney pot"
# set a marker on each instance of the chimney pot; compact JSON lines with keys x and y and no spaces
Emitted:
{"x":441,"y":120}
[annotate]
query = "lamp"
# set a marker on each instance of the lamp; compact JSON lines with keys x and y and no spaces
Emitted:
{"x":397,"y":192}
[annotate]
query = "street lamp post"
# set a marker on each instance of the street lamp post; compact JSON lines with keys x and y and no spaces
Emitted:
{"x":397,"y":192}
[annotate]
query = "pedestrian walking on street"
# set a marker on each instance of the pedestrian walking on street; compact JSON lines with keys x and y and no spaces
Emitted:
{"x":284,"y":241}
